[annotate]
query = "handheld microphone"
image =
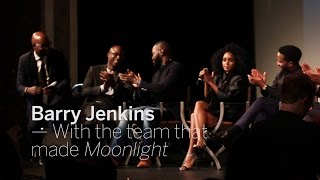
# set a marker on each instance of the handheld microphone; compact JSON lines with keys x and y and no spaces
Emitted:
{"x":201,"y":74}
{"x":198,"y":80}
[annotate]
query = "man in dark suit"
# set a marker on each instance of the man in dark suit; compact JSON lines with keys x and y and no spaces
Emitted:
{"x":43,"y":79}
{"x":168,"y":85}
{"x":102,"y":90}
{"x":102,"y":87}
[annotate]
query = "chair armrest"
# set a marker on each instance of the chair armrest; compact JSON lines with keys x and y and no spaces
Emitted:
{"x":183,"y":117}
{"x":220,"y":117}
{"x":124,"y":105}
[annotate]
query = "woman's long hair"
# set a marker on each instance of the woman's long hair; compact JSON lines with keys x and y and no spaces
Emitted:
{"x":240,"y":56}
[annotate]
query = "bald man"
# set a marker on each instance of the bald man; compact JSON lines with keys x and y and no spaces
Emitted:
{"x":102,"y":87}
{"x":103,"y":91}
{"x":43,"y":79}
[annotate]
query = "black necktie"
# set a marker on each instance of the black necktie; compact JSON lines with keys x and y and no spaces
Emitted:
{"x":43,"y":80}
{"x":42,"y":75}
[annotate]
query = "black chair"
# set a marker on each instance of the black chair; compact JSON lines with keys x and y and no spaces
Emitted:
{"x":77,"y":98}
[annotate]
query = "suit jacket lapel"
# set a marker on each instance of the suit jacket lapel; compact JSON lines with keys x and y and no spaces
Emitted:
{"x":33,"y":73}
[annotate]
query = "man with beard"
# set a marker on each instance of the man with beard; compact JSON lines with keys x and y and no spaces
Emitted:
{"x":102,"y":87}
{"x":168,"y":85}
{"x":103,"y":91}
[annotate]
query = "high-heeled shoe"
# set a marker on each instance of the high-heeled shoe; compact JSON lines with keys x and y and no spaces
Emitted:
{"x":186,"y":167}
{"x":198,"y":150}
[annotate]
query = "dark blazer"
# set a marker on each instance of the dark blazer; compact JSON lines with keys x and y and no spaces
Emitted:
{"x":232,"y":90}
{"x":91,"y":89}
{"x":169,"y":85}
{"x":58,"y":70}
{"x":274,"y":91}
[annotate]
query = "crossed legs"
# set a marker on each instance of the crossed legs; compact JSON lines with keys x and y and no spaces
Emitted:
{"x":200,"y":118}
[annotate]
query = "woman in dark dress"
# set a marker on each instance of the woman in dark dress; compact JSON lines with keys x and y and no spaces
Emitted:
{"x":227,"y":83}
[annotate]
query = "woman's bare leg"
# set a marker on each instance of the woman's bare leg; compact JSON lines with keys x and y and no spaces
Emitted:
{"x":202,"y":118}
{"x":193,"y":135}
{"x":199,"y":119}
{"x":190,"y":158}
{"x":201,"y":109}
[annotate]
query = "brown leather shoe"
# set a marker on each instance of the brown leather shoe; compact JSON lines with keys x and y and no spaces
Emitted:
{"x":144,"y":163}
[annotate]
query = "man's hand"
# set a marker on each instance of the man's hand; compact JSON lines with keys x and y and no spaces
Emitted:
{"x":139,"y":80}
{"x":34,"y":90}
{"x":107,"y":78}
{"x":257,"y":78}
{"x":131,"y":78}
{"x":313,"y":74}
{"x":306,"y":69}
{"x":49,"y":90}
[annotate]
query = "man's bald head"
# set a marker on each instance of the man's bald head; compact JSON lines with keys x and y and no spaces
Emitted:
{"x":40,"y":43}
{"x":39,"y":37}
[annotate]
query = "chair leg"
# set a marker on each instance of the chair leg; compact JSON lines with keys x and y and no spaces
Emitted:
{"x":214,"y":157}
{"x":220,"y":151}
{"x":217,"y":154}
{"x":127,"y":159}
{"x":158,"y":161}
